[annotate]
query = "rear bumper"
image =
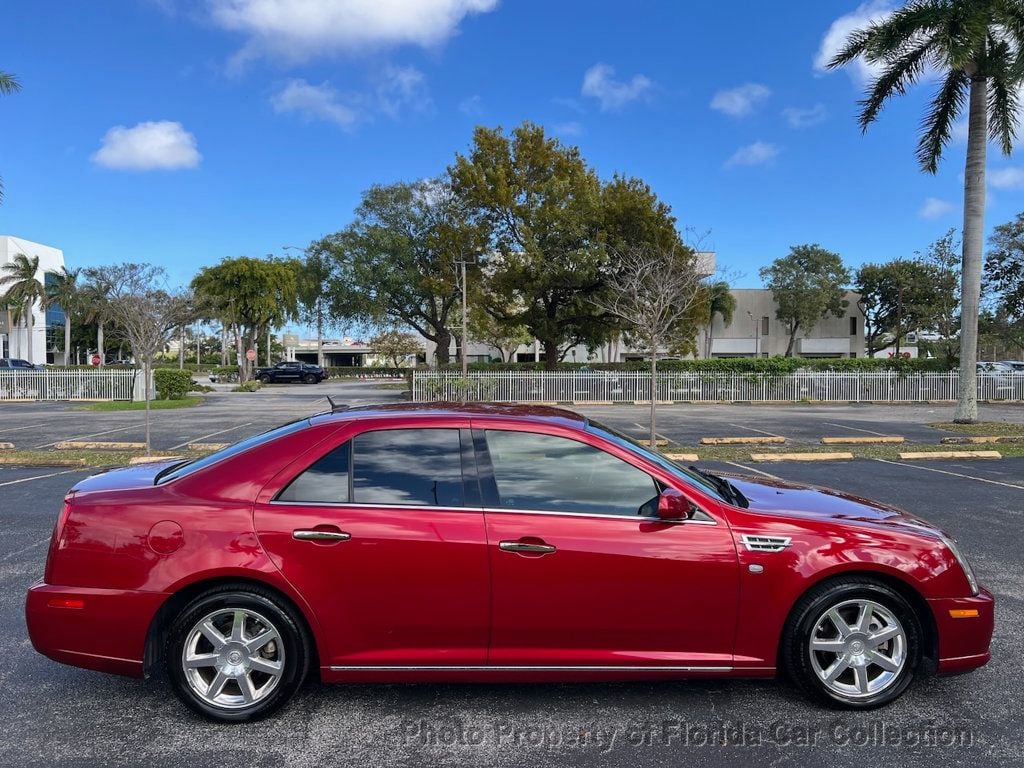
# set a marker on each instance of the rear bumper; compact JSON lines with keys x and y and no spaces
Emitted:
{"x":964,"y":636}
{"x":101,"y":629}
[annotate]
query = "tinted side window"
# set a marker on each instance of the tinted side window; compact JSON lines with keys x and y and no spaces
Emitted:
{"x":408,"y":466}
{"x":326,"y":482}
{"x":548,"y":473}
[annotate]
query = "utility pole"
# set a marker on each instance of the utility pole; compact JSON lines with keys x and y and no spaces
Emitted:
{"x":465,"y":314}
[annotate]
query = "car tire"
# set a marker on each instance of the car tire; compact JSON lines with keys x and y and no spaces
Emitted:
{"x":310,"y":378}
{"x":218,"y":670}
{"x":265,"y":379}
{"x":852,"y":643}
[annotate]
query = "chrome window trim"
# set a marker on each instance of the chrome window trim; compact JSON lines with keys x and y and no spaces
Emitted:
{"x":489,"y":510}
{"x":523,"y":668}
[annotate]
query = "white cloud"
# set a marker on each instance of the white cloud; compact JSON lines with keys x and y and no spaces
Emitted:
{"x":162,"y":145}
{"x":799,"y":117}
{"x":758,"y":153}
{"x":472,"y":106}
{"x":402,"y":87}
{"x":934,"y":208}
{"x":297,"y":30}
{"x":314,"y":102}
{"x":835,"y":39}
{"x":599,"y":83}
{"x":1007,"y":178}
{"x":742,"y":100}
{"x":571,"y":128}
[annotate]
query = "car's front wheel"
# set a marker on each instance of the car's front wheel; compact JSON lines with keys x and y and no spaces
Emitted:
{"x":310,"y":378}
{"x":236,"y":654}
{"x":265,"y":378}
{"x":853,"y":643}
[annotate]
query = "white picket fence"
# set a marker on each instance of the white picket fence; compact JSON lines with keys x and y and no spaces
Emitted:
{"x":635,"y":386}
{"x":70,"y":384}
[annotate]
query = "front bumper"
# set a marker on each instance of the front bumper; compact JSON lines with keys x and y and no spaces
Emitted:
{"x":965,"y":626}
{"x":101,"y":629}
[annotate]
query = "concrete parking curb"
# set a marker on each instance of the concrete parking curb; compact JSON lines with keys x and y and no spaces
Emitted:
{"x":82,"y":445}
{"x":770,"y":440}
{"x":865,"y":440}
{"x":659,"y":442}
{"x":982,"y":440}
{"x":6,"y":446}
{"x":151,"y":459}
{"x":834,"y":456}
{"x":207,"y":446}
{"x":917,"y":455}
{"x":682,"y":456}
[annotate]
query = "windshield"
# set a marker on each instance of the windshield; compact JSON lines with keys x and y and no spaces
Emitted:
{"x":687,"y":475}
{"x":188,"y":467}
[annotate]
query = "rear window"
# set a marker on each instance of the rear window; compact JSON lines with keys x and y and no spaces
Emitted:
{"x":189,"y":467}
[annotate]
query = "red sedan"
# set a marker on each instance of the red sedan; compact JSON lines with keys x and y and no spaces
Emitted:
{"x":490,"y":543}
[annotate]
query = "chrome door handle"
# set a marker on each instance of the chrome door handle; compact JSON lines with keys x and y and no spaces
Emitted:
{"x":522,"y":546}
{"x":315,"y":535}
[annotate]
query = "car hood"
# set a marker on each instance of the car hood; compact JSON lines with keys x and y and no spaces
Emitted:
{"x":817,"y":503}
{"x":124,"y":478}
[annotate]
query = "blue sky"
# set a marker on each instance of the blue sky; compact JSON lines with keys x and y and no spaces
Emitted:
{"x":183,"y":131}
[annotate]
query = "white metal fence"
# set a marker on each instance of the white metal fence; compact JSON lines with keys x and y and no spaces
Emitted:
{"x":70,"y":384}
{"x":634,"y":386}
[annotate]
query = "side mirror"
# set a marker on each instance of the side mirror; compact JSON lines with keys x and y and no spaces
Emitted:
{"x":673,"y":506}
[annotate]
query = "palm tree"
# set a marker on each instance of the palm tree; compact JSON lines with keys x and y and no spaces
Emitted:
{"x":65,"y":292}
{"x":974,"y":45}
{"x":720,"y":302}
{"x":23,"y":290}
{"x":96,"y":295}
{"x":8,"y":84}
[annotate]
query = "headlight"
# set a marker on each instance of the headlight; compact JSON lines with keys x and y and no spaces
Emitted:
{"x":968,"y":571}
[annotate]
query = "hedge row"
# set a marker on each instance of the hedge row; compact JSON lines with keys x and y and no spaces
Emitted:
{"x":171,"y":384}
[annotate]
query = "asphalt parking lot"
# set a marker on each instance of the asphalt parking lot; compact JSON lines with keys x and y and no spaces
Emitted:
{"x":57,"y":715}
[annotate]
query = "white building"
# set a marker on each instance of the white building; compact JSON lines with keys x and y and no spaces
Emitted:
{"x":14,"y":340}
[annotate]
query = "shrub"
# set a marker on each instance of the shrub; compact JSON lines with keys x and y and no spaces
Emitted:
{"x":171,"y":383}
{"x":248,"y":386}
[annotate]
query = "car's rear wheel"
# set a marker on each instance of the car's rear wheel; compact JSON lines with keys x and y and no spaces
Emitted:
{"x":237,"y":654}
{"x":265,"y":378}
{"x":853,"y":643}
{"x":310,"y":378}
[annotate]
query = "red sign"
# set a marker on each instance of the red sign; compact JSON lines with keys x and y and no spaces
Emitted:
{"x":95,"y":360}
{"x":250,"y":355}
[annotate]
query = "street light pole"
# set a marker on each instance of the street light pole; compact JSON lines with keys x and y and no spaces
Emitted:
{"x":465,"y":314}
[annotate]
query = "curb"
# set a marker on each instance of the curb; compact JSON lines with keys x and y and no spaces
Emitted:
{"x":78,"y":445}
{"x":6,"y":446}
{"x":837,"y":456}
{"x":916,"y":455}
{"x":862,"y":440}
{"x":982,"y":440}
{"x":658,"y":442}
{"x":207,"y":446}
{"x":774,"y":440}
{"x":681,"y":456}
{"x":151,"y":459}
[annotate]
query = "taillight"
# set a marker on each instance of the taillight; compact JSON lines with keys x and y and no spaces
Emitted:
{"x":58,"y":531}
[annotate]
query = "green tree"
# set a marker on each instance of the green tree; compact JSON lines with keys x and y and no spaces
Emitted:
{"x":398,"y":262}
{"x":542,"y":206}
{"x":65,"y":292}
{"x":23,"y":291}
{"x":807,"y":284}
{"x":897,"y":297}
{"x":8,"y":84}
{"x":1004,"y":282}
{"x":504,"y":337}
{"x":96,"y":302}
{"x":632,"y":216}
{"x":975,"y":45}
{"x":396,"y":346}
{"x":717,"y":300}
{"x":257,"y":294}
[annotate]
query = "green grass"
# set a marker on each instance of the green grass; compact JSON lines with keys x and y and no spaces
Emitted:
{"x":985,"y":428}
{"x":156,"y":405}
{"x":877,"y":451}
{"x":99,"y":459}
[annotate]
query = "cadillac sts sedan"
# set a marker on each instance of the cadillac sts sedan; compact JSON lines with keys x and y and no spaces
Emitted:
{"x":490,"y":543}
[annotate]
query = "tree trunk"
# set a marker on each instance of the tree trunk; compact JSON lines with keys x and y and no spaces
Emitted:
{"x":710,"y":339}
{"x":319,"y":336}
{"x":99,"y":342}
{"x":181,"y":348}
{"x":970,"y":270}
{"x":223,"y":344}
{"x":67,"y":339}
{"x":550,"y":354}
{"x":654,"y":392}
{"x":28,"y":330}
{"x":443,"y":340}
{"x":792,"y":341}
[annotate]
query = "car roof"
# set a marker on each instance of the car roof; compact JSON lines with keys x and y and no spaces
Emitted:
{"x":532,"y":413}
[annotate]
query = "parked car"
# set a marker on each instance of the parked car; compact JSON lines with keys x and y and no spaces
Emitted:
{"x":490,"y":543}
{"x":13,"y":362}
{"x":1017,"y":366}
{"x":291,"y":370}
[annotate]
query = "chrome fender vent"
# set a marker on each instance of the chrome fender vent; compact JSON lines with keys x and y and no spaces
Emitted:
{"x":765,"y":543}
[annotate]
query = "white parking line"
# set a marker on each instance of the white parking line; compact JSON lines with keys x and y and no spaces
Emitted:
{"x":82,"y":437}
{"x":855,"y":429}
{"x":15,"y":429}
{"x":751,"y":429}
{"x":23,"y":550}
{"x":212,"y":434}
{"x":954,"y":474}
{"x":41,"y":477}
{"x":752,"y":469}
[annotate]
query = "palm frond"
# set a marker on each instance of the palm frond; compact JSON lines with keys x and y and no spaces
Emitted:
{"x":937,"y":126}
{"x":898,"y":75}
{"x":903,"y":29}
{"x":855,"y":46}
{"x":1003,"y":103}
{"x":9,"y":84}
